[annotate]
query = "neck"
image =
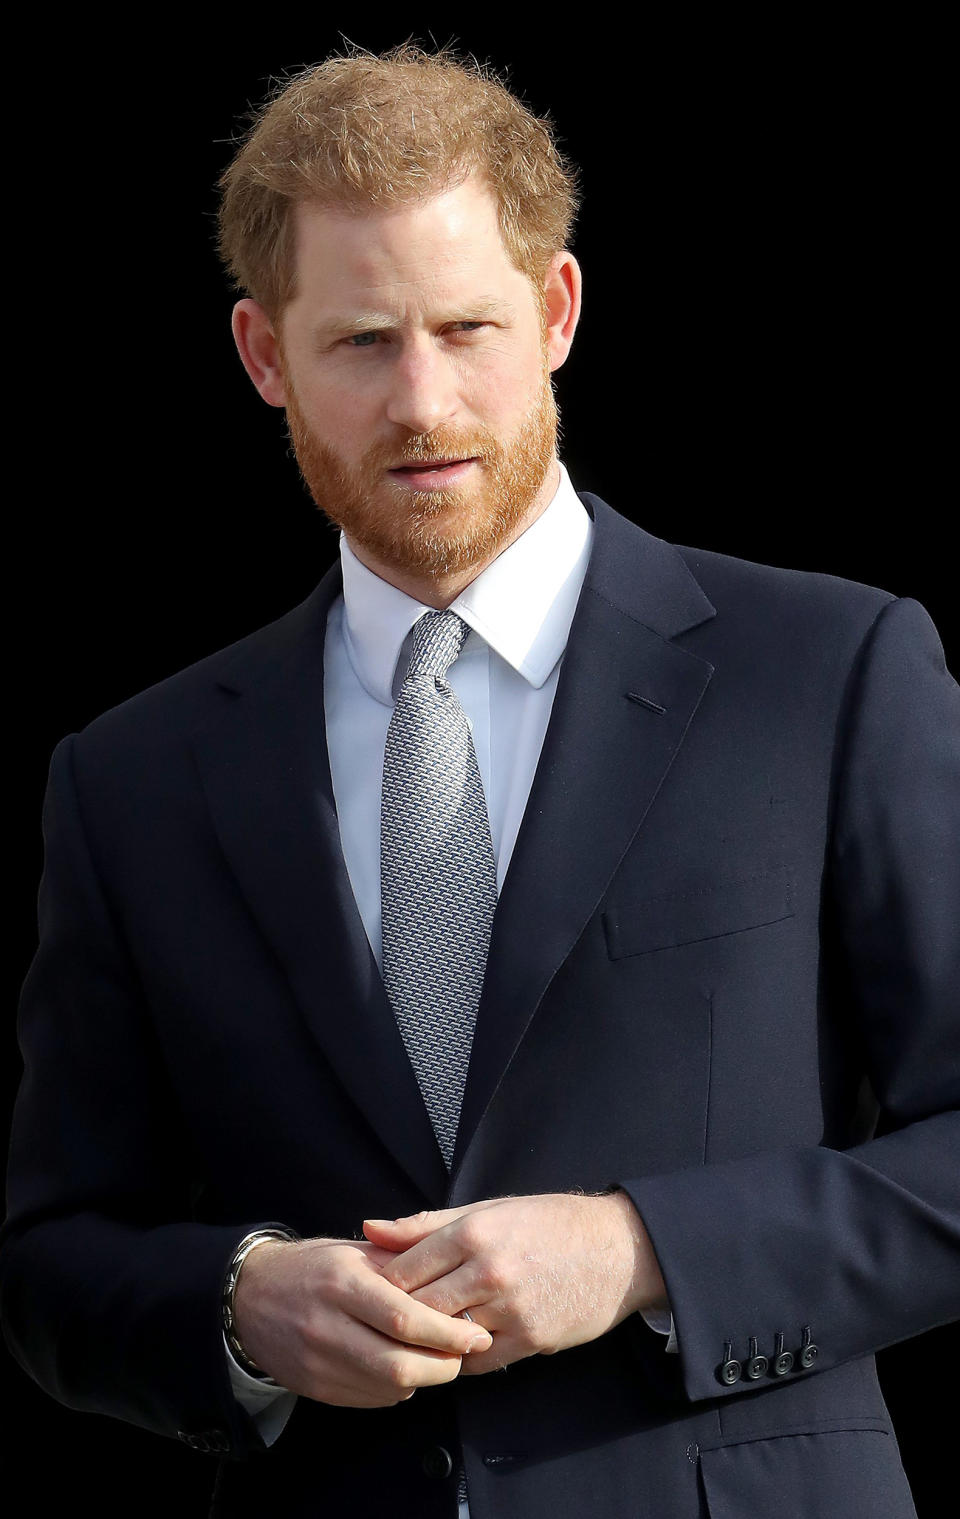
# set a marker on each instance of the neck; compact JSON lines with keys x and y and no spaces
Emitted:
{"x":441,"y":590}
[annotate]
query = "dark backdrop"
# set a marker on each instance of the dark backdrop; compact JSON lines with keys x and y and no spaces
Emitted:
{"x":757,"y":370}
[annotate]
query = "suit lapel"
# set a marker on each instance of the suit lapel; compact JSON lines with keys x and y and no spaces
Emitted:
{"x":265,"y":769}
{"x":605,"y":755}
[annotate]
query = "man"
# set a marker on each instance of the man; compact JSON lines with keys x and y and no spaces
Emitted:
{"x":538,"y":897}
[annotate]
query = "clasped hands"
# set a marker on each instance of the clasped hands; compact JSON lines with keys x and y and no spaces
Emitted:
{"x":365,"y":1323}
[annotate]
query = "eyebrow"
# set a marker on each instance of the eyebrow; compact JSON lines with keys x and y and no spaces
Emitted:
{"x":379,"y":321}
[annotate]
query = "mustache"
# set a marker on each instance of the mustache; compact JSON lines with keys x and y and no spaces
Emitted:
{"x":433,"y":451}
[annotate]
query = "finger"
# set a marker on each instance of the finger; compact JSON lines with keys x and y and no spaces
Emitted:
{"x":369,"y":1370}
{"x":454,"y":1292}
{"x":405,"y":1369}
{"x":400,"y":1233}
{"x":503,"y":1352}
{"x":478,"y":1365}
{"x":378,"y":1254}
{"x":383,"y":1306}
{"x":436,"y":1256}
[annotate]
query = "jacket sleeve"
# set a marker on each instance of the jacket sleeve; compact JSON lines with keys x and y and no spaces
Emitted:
{"x":109,"y":1290}
{"x":860,"y":1248}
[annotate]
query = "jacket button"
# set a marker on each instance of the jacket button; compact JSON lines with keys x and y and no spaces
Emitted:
{"x":757,"y":1364}
{"x":729,"y":1369}
{"x":782,"y":1359}
{"x":437,"y":1462}
{"x":808,"y":1351}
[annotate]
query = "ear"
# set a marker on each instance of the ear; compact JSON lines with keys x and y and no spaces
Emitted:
{"x":562,"y":288}
{"x":257,"y":346}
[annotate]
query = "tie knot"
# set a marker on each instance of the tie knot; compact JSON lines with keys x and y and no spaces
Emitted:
{"x":437,"y":640}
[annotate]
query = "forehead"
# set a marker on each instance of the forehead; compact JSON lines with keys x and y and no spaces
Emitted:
{"x":441,"y":245}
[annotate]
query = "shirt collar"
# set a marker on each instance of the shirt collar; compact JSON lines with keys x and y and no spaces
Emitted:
{"x":522,"y":604}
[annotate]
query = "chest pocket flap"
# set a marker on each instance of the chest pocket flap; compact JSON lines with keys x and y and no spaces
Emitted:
{"x":729,"y":907}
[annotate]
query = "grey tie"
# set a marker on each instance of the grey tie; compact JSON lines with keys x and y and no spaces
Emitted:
{"x":438,"y":879}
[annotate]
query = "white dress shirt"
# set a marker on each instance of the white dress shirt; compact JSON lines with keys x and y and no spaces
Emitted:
{"x":519,"y":610}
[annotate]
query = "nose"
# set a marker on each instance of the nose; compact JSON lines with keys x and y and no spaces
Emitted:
{"x":422,"y":389}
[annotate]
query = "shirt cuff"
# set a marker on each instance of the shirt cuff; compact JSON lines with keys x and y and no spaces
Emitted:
{"x":661,"y":1321}
{"x":269,"y":1407}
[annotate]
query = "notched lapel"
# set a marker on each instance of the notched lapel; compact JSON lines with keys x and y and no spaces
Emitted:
{"x":265,"y":769}
{"x":605,"y":756}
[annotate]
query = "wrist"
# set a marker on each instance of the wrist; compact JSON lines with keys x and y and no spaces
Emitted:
{"x":647,"y":1292}
{"x":278,"y":1235}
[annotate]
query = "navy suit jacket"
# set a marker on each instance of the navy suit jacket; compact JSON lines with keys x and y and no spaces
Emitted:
{"x":727,"y":937}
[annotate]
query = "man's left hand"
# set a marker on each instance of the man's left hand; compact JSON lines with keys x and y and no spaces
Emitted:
{"x":541,"y":1273}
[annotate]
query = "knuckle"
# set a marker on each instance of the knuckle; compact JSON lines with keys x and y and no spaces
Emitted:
{"x":528,"y":1335}
{"x":473,"y":1234}
{"x":399,"y":1324}
{"x":398,"y":1375}
{"x":495,"y":1274}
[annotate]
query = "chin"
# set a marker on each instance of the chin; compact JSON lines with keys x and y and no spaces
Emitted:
{"x":438,"y":553}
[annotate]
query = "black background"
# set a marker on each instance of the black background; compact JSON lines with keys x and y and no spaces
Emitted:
{"x":758,"y":369}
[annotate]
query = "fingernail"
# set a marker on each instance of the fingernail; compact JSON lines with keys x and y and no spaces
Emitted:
{"x":379,"y":1223}
{"x":480,"y":1342}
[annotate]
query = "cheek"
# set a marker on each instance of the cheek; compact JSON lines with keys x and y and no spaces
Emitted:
{"x":501,"y":392}
{"x":337,"y":416}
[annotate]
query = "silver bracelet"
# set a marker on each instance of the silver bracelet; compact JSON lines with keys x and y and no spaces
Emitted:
{"x":249,"y":1241}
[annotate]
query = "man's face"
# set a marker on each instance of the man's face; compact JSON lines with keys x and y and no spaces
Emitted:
{"x":413,"y":338}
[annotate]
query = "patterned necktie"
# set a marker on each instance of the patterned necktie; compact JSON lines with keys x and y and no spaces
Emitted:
{"x":438,"y":879}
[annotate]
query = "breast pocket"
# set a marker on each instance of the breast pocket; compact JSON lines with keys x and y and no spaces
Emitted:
{"x":729,"y":907}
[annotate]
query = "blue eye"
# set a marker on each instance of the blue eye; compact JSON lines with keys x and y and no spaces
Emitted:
{"x":354,"y":339}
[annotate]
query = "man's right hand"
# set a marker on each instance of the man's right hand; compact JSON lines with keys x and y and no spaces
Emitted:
{"x":319,"y":1317}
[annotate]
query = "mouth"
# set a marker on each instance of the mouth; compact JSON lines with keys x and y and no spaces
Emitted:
{"x":433,"y":474}
{"x":422,"y":464}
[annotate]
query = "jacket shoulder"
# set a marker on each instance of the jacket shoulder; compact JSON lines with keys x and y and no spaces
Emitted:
{"x":170,"y":709}
{"x":776,"y":595}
